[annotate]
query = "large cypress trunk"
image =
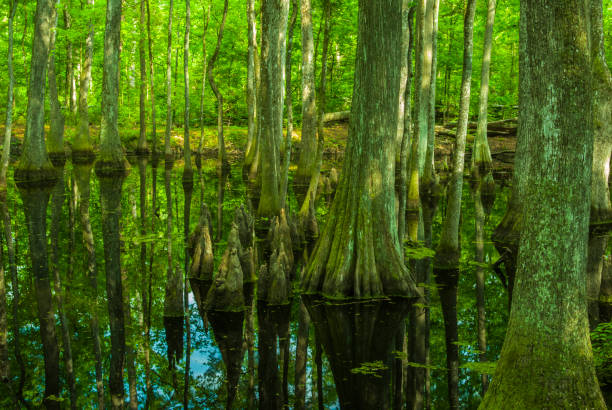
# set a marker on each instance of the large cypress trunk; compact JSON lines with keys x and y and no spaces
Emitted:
{"x":274,"y":15}
{"x":55,"y":139}
{"x":34,"y":164}
{"x":358,"y":254}
{"x":546,"y":360}
{"x":111,"y":153}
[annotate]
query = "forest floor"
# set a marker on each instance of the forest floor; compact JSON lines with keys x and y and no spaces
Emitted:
{"x":502,"y":147}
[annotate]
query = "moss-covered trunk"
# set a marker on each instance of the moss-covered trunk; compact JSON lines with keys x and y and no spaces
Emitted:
{"x":34,"y":164}
{"x":308,"y":143}
{"x":81,"y":145}
{"x":481,"y":154}
{"x":151,"y":82}
{"x":55,"y":139}
{"x":6,"y":144}
{"x":449,"y":247}
{"x":167,"y":146}
{"x":274,"y":15}
{"x":546,"y":360}
{"x":142,"y":136}
{"x":111,"y":151}
{"x":358,"y":253}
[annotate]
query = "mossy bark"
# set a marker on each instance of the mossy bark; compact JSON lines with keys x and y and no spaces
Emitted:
{"x":308,"y":142}
{"x":151,"y":82}
{"x":358,"y":253}
{"x":251,"y":91}
{"x":142,"y":136}
{"x":111,"y":152}
{"x":274,"y":15}
{"x":481,"y":154}
{"x":448,"y":251}
{"x":34,"y":165}
{"x":55,"y":139}
{"x":6,"y":144}
{"x":601,"y":208}
{"x":186,"y":140}
{"x":546,"y":360}
{"x":204,"y":71}
{"x":81,"y":145}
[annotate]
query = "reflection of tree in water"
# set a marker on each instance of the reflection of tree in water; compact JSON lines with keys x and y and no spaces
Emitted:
{"x":358,"y":338}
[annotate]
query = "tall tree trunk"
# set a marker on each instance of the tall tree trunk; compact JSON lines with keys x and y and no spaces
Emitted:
{"x":167,"y":147}
{"x":204,"y":70}
{"x":81,"y":145}
{"x":601,"y":208}
{"x":35,"y":200}
{"x":406,"y":130}
{"x":424,"y":56}
{"x":111,"y":153}
{"x":55,"y":139}
{"x":70,"y":89}
{"x":429,"y":187}
{"x":34,"y":164}
{"x":481,"y":154}
{"x":142,"y":138}
{"x":358,"y":254}
{"x":289,"y":107}
{"x":251,"y":86}
{"x":222,"y":157}
{"x":151,"y":81}
{"x":448,"y":250}
{"x":274,"y":15}
{"x":308,"y":144}
{"x":6,"y":144}
{"x":546,"y":360}
{"x":82,"y":173}
{"x":188,"y":171}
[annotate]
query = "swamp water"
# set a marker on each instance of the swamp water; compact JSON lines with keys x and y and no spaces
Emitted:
{"x":325,"y":354}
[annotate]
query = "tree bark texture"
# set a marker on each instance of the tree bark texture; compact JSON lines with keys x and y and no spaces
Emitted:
{"x":546,"y":360}
{"x":308,"y":142}
{"x":448,"y":251}
{"x":6,"y":144}
{"x":358,"y":254}
{"x":187,"y":145}
{"x":55,"y":139}
{"x":151,"y":81}
{"x":167,"y":147}
{"x":274,"y":15}
{"x":81,"y":142}
{"x":111,"y":151}
{"x":34,"y":157}
{"x":481,"y":154}
{"x":142,"y":137}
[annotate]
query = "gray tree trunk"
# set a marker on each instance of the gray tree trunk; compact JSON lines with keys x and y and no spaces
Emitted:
{"x":289,"y":107}
{"x":81,"y":145}
{"x":34,"y":162}
{"x":308,"y":144}
{"x":358,"y":253}
{"x":448,"y":250}
{"x":274,"y":15}
{"x":430,"y":180}
{"x":481,"y":154}
{"x":252,"y":85}
{"x":55,"y":139}
{"x":111,"y":152}
{"x":546,"y":360}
